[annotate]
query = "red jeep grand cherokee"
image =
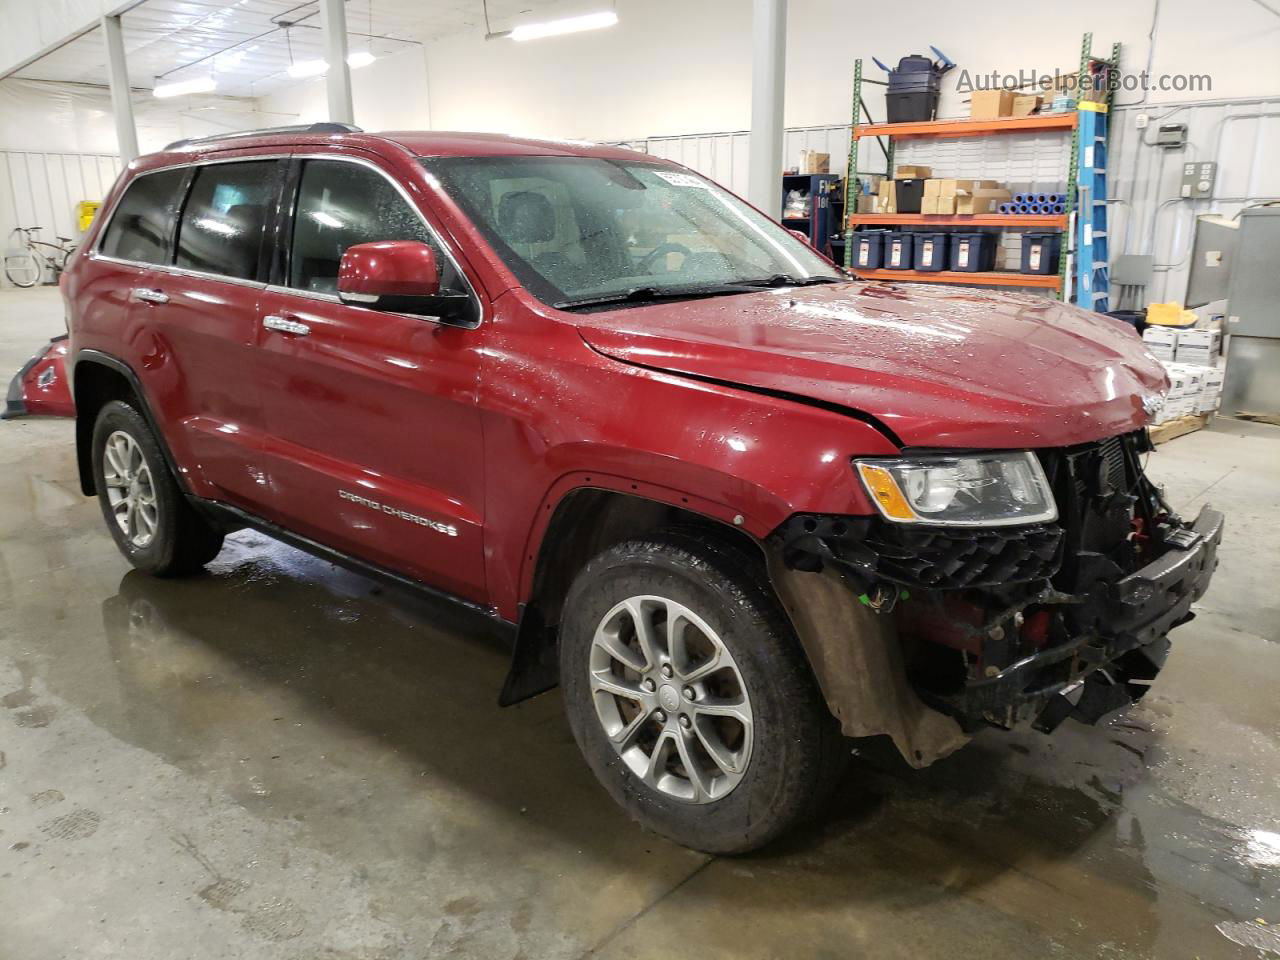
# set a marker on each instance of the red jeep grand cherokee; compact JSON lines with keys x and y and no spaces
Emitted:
{"x":734,"y":503}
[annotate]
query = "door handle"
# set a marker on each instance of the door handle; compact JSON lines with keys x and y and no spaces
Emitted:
{"x":150,"y":296}
{"x":285,"y":325}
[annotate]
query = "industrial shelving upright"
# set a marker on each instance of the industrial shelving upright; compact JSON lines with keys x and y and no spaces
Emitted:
{"x":1085,"y":169}
{"x":1089,"y":170}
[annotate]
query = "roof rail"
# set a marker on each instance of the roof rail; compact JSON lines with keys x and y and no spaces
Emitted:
{"x":325,"y":127}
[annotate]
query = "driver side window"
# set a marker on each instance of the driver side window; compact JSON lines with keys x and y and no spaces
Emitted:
{"x":341,"y":204}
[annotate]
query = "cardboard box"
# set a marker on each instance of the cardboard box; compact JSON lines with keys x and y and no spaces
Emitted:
{"x":982,"y":200}
{"x":912,"y":172}
{"x":991,"y":104}
{"x":1198,"y":346}
{"x":944,"y":205}
{"x":1025,"y":104}
{"x":867,"y":202}
{"x":1210,"y":390}
{"x":811,"y":161}
{"x":928,"y":204}
{"x":952,"y":188}
{"x":1161,"y":342}
{"x":886,"y":197}
{"x":931,"y":187}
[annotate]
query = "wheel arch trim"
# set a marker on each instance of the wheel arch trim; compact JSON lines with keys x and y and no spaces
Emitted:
{"x":85,"y":425}
{"x":534,"y":667}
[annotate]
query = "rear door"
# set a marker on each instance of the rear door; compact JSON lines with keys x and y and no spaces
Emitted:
{"x":207,"y":303}
{"x":373,"y":436}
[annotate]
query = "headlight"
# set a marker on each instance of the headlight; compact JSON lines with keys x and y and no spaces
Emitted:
{"x":968,"y":490}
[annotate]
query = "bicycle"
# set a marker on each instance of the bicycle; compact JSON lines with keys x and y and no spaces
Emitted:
{"x":28,"y":259}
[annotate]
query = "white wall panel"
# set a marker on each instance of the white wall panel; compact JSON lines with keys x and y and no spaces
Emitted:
{"x":42,"y":189}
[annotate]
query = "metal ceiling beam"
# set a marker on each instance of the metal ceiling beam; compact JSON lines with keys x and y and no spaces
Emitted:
{"x":111,"y":10}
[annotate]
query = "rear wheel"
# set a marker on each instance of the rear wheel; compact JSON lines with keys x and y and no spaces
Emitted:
{"x":690,"y":697}
{"x":150,"y":520}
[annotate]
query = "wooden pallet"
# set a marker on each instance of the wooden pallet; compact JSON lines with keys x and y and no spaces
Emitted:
{"x":1164,"y":432}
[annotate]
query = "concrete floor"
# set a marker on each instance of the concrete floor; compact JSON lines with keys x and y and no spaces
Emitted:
{"x":284,"y":760}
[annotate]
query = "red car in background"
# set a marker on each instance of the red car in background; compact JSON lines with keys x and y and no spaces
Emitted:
{"x":40,"y":388}
{"x":735,"y":503}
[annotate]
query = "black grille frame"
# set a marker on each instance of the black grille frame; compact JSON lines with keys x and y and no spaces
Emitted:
{"x":923,"y":557}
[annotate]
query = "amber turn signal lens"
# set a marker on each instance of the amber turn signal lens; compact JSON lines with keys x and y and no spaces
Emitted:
{"x":883,"y":487}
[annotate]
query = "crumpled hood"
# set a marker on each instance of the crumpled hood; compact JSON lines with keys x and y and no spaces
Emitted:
{"x":938,"y":367}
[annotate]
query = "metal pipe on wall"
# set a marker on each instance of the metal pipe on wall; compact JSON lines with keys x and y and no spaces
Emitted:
{"x":768,"y":80}
{"x":121,"y":105}
{"x":333,"y":24}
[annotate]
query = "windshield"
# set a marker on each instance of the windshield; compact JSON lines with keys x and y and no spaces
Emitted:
{"x":578,"y":230}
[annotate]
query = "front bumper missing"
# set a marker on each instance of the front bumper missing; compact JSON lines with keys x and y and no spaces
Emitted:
{"x":1140,"y":610}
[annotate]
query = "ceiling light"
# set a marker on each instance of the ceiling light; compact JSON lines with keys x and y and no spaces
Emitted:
{"x":554,"y":28}
{"x":361,"y":58}
{"x":182,"y":87}
{"x":307,"y":68}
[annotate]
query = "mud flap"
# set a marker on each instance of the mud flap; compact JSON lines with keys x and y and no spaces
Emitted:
{"x":857,"y":659}
{"x":40,"y":388}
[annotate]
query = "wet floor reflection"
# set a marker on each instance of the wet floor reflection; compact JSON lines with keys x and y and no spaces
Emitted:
{"x":311,"y":694}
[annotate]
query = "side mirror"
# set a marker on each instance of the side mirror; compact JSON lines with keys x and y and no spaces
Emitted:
{"x":401,"y":276}
{"x":801,"y":236}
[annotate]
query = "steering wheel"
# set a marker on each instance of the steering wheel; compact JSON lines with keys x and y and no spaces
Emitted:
{"x":661,"y":250}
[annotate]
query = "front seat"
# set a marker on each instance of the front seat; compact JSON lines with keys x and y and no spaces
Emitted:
{"x":526,"y":218}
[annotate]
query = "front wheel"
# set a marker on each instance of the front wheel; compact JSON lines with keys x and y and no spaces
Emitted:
{"x":22,"y":268}
{"x":690,"y":697}
{"x":150,"y":520}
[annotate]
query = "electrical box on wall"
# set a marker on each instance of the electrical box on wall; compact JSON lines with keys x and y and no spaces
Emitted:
{"x":1171,"y":136}
{"x":1197,"y":179}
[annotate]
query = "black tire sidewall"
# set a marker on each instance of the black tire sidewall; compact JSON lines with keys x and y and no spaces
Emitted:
{"x":158,"y":555}
{"x":787,"y":714}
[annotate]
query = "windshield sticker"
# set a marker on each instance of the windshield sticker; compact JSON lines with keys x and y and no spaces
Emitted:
{"x":682,"y":179}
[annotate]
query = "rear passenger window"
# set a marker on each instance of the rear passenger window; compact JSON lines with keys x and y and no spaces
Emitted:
{"x":139,"y":228}
{"x":341,"y":204}
{"x":226,"y":213}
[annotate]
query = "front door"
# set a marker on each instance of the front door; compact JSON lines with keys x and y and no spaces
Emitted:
{"x":373,"y":442}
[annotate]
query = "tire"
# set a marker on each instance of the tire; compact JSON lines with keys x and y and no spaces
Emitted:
{"x":775,"y":771}
{"x":23,"y":269}
{"x":165,"y":536}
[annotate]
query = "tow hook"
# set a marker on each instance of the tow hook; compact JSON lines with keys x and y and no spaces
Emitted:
{"x":1100,"y":694}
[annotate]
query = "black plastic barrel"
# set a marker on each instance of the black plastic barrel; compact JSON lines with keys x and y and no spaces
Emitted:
{"x":1040,"y":252}
{"x":931,"y":251}
{"x":973,"y":252}
{"x":868,"y":249}
{"x":899,"y":250}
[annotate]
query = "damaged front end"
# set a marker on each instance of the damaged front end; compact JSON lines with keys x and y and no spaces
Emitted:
{"x":1040,"y":622}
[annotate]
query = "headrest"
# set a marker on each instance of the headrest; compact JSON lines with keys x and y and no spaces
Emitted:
{"x":526,"y":217}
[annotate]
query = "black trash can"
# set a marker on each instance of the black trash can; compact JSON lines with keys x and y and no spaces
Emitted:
{"x":913,"y":90}
{"x":973,"y":252}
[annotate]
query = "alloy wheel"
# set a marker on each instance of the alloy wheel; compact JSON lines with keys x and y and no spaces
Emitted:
{"x":130,"y":489}
{"x":671,"y":699}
